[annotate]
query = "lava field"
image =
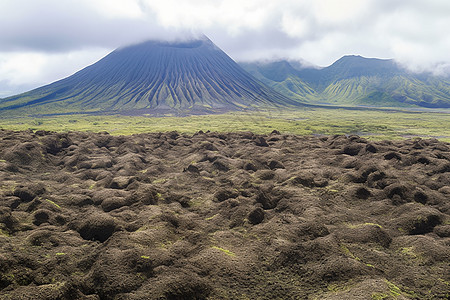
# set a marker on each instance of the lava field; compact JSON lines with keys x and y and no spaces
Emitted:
{"x":222,"y":216}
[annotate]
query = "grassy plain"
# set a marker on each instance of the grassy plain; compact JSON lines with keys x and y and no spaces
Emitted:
{"x":372,"y":124}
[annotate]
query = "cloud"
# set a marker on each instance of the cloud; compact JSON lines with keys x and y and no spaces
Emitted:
{"x":61,"y":26}
{"x":41,"y":32}
{"x":23,"y":71}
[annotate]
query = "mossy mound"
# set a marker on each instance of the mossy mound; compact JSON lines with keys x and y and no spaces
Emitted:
{"x":222,"y":216}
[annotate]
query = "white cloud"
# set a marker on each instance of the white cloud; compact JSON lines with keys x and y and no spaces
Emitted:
{"x":294,"y":26}
{"x":338,"y":12}
{"x":122,"y":9}
{"x":414,"y":32}
{"x":20,"y":67}
{"x":22,"y":71}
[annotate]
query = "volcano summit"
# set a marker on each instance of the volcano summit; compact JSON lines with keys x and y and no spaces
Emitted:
{"x":182,"y":76}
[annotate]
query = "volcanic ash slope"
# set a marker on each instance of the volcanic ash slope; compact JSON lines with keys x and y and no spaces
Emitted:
{"x":151,"y":76}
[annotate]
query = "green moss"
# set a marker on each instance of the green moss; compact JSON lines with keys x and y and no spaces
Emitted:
{"x":165,"y":245}
{"x":210,"y":218}
{"x":394,"y":292}
{"x":197,"y":202}
{"x":379,"y":296}
{"x":347,"y":252}
{"x":159,"y":180}
{"x":9,"y":276}
{"x":4,"y":233}
{"x":409,"y":251}
{"x":401,"y":229}
{"x":7,"y":188}
{"x":372,"y":124}
{"x":363,"y":224}
{"x":50,"y":201}
{"x":335,"y":288}
{"x":444,"y":282}
{"x":60,"y":254}
{"x":141,"y":276}
{"x":227,"y":252}
{"x":393,"y":289}
{"x":145,"y":257}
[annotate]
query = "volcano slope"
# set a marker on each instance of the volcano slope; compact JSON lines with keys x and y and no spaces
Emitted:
{"x":355,"y":80}
{"x":151,"y":77}
{"x":222,"y":216}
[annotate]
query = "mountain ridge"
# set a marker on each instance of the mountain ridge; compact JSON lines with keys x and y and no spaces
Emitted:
{"x":355,"y":80}
{"x":153,"y":75}
{"x":197,"y":76}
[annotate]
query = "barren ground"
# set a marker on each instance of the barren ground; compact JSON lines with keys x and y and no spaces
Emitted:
{"x":222,"y":216}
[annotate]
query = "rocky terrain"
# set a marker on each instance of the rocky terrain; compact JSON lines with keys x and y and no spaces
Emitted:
{"x":222,"y":216}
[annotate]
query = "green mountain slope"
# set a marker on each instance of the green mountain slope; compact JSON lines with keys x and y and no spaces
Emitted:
{"x":151,"y":76}
{"x":354,"y":80}
{"x":283,"y":77}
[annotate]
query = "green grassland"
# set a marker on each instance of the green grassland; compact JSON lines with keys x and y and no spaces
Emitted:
{"x":371,"y":124}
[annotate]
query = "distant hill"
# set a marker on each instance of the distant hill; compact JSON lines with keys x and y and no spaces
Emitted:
{"x":354,"y":80}
{"x":182,"y":76}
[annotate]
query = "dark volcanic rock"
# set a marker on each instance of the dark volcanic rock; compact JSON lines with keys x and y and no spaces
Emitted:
{"x":260,"y":141}
{"x":41,"y":216}
{"x":362,"y":193}
{"x":273,"y":164}
{"x":97,"y":227}
{"x":216,"y":216}
{"x":267,"y":201}
{"x":29,"y":192}
{"x":223,"y":195}
{"x":55,"y":143}
{"x":256,"y":216}
{"x":352,"y":149}
{"x":414,"y":219}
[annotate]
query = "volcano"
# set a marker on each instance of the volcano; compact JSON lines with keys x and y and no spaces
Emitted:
{"x":151,"y":76}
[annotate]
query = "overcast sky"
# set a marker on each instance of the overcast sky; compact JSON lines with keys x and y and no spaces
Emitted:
{"x":45,"y":40}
